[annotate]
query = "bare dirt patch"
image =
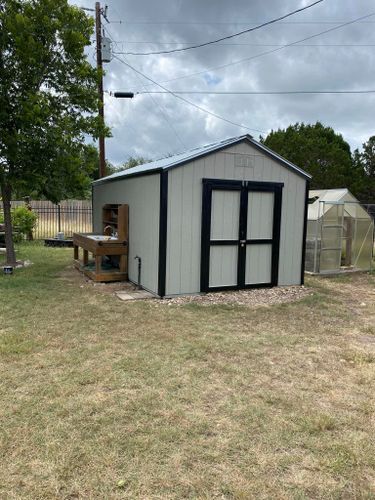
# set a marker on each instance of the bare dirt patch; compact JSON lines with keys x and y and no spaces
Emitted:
{"x":75,"y":277}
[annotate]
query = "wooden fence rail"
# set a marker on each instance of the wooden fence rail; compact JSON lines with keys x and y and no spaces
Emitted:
{"x":70,"y":216}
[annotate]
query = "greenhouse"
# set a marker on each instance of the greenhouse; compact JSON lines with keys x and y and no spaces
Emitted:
{"x":340,"y":233}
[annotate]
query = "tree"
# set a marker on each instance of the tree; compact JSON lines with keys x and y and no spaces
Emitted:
{"x":47,"y":99}
{"x":88,"y":163}
{"x":133,"y":161}
{"x":365,"y":162}
{"x":92,"y":159}
{"x":317,"y":149}
{"x":368,"y":156}
{"x":114,"y":169}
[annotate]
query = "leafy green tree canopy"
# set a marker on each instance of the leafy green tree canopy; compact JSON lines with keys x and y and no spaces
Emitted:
{"x":133,"y":161}
{"x":368,"y":157}
{"x":365,"y":162}
{"x":47,"y":99}
{"x":93,"y":157}
{"x":317,"y":149}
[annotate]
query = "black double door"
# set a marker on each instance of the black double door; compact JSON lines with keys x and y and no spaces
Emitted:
{"x":240,"y":234}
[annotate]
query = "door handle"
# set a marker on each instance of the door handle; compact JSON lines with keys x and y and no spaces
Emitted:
{"x":242,"y":242}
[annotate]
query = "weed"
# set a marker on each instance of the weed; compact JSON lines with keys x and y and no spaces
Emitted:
{"x":357,"y":357}
{"x":104,"y":399}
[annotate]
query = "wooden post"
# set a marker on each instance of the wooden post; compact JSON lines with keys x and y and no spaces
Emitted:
{"x":99,"y":65}
{"x":98,"y":264}
{"x":123,"y":262}
{"x":85,"y":257}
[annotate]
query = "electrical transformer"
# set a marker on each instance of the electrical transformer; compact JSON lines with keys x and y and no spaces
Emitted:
{"x":106,"y":50}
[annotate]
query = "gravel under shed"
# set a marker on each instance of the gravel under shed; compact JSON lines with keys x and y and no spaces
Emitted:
{"x":252,"y":297}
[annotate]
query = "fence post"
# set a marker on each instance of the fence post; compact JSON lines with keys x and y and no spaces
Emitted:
{"x":59,"y":218}
{"x":29,"y":235}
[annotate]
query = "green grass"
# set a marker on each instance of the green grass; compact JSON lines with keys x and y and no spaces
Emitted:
{"x":105,"y":399}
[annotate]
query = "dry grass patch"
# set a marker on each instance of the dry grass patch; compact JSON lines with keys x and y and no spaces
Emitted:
{"x":105,"y":399}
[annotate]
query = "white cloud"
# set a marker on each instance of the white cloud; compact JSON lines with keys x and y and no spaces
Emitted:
{"x":158,"y":125}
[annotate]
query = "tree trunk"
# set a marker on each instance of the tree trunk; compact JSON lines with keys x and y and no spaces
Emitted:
{"x":6,"y":193}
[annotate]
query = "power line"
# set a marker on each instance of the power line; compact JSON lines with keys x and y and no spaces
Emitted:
{"x":104,"y":14}
{"x":260,"y":92}
{"x":163,"y":112}
{"x":110,"y":36}
{"x":247,"y":44}
{"x":153,"y":154}
{"x":267,"y":23}
{"x":165,"y":116}
{"x":186,"y":100}
{"x":261,"y":54}
{"x":238,"y":23}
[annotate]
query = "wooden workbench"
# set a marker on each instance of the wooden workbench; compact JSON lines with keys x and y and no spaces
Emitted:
{"x":98,"y":246}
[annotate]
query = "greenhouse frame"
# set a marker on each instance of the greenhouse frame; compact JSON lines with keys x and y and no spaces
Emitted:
{"x":340,"y":233}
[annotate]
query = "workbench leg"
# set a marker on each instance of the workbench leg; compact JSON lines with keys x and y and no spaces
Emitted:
{"x":85,"y":257}
{"x":123,"y":260}
{"x":76,"y":252}
{"x":98,"y":263}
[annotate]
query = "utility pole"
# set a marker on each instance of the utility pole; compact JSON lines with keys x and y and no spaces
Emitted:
{"x":103,"y":48}
{"x":99,"y":64}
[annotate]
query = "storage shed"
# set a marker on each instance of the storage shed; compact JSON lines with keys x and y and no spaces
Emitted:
{"x":230,"y":215}
{"x":340,"y":233}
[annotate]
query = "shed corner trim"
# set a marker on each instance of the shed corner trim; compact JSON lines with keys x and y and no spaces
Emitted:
{"x":163,"y":226}
{"x":304,"y":233}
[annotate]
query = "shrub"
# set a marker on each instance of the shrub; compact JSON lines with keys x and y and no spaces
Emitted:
{"x":24,"y":221}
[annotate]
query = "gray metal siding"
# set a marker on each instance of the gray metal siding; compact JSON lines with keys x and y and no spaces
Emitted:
{"x":142,"y":194}
{"x":241,"y":162}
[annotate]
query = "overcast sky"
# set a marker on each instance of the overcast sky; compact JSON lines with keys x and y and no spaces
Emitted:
{"x":155,"y":125}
